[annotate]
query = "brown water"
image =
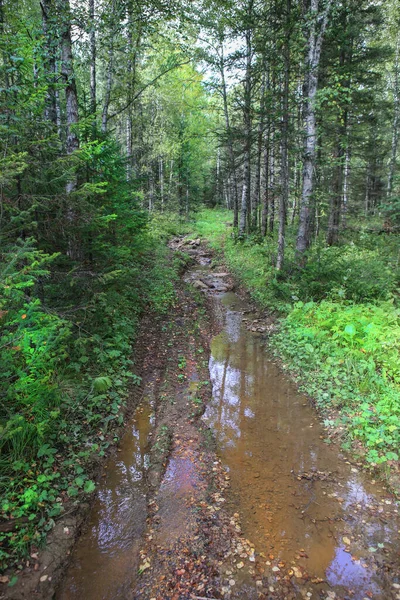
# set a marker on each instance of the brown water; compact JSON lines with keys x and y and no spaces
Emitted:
{"x":105,"y":558}
{"x":299,"y":500}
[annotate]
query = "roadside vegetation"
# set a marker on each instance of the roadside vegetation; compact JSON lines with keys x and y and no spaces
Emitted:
{"x":339,"y":327}
{"x":68,"y":367}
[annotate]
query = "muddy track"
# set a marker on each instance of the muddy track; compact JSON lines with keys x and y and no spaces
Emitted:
{"x":222,"y":486}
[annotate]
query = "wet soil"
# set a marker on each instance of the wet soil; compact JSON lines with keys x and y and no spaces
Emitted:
{"x":224,"y":485}
{"x":313,"y":516}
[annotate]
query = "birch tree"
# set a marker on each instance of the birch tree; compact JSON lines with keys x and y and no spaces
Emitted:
{"x":317,"y":23}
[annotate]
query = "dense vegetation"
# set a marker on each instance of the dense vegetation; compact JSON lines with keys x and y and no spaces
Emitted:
{"x":116,"y":118}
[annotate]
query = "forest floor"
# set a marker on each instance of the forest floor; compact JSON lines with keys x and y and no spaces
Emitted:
{"x":213,"y":528}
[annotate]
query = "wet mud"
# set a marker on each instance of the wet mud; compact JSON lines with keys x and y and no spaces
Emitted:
{"x":105,"y":559}
{"x":264,"y":509}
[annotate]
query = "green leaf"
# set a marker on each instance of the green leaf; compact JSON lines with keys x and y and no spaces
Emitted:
{"x":102,"y":384}
{"x":46,"y":450}
{"x":350,"y":330}
{"x":72,"y":491}
{"x":13,"y":581}
{"x":89,"y":486}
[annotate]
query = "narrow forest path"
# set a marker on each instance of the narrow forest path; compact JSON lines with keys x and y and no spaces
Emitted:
{"x":244,"y":497}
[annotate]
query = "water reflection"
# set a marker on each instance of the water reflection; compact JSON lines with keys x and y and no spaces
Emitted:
{"x":290,"y":488}
{"x":104,"y":558}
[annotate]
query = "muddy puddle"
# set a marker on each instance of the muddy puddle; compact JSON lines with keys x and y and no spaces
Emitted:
{"x":301,"y":503}
{"x":104,"y":561}
{"x":316,"y":522}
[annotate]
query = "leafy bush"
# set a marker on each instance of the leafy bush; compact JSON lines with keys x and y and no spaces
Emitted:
{"x":346,"y":272}
{"x":348,"y":356}
{"x":65,"y":379}
{"x":33,"y":349}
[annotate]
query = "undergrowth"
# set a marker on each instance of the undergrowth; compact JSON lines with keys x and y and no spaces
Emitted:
{"x":347,"y":357}
{"x":66,"y":357}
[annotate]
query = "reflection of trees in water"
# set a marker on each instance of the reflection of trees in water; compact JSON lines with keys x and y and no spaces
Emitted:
{"x":254,"y":419}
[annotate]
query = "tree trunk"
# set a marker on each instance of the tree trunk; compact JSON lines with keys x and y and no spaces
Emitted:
{"x":265,"y":205}
{"x":109,"y":80}
{"x":243,"y":206}
{"x":93,"y":103}
{"x":396,"y":122}
{"x":50,"y":60}
{"x":245,"y":210}
{"x":346,"y":178}
{"x":67,"y":72}
{"x":332,"y":237}
{"x":272,"y":185}
{"x":284,"y":196}
{"x":311,"y":85}
{"x":72,"y":118}
{"x":257,"y":186}
{"x":230,"y":143}
{"x":161,"y":175}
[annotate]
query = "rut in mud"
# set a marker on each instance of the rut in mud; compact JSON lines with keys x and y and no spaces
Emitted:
{"x":298,"y":520}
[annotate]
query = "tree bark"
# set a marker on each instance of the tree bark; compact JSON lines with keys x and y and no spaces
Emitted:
{"x":272,"y":184}
{"x":265,"y":204}
{"x":332,"y":236}
{"x":93,"y":52}
{"x":245,"y":212}
{"x":50,"y":60}
{"x":346,"y":178}
{"x":72,"y":119}
{"x":71,"y":96}
{"x":311,"y":85}
{"x":257,"y":186}
{"x":161,"y":176}
{"x":109,"y":81}
{"x":396,"y":122}
{"x":229,"y":138}
{"x":284,"y":196}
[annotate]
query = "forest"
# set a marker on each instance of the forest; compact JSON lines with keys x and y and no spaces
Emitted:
{"x":269,"y":129}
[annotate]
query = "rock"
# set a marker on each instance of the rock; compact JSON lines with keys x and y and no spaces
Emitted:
{"x":200,"y":285}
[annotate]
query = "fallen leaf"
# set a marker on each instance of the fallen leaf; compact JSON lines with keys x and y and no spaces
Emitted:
{"x":144,"y":566}
{"x":297,"y":572}
{"x":346,"y":541}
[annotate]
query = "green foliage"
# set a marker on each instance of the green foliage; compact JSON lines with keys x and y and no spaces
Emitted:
{"x":347,"y":272}
{"x":65,"y":379}
{"x":347,"y":356}
{"x":167,"y":225}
